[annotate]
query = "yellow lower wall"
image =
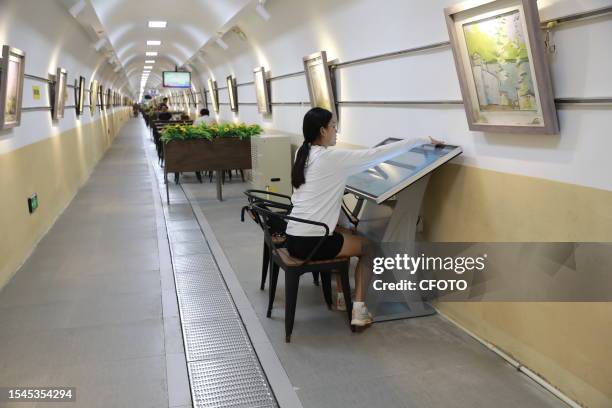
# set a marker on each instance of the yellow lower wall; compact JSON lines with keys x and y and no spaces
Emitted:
{"x":54,"y":168}
{"x":568,"y":344}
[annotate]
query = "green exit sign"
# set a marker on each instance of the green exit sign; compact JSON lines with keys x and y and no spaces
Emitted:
{"x":33,"y":203}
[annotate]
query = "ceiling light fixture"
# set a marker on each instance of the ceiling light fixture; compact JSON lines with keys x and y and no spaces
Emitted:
{"x":157,"y":24}
{"x":263,"y":13}
{"x":151,"y":53}
{"x":221,"y":43}
{"x":148,"y":67}
{"x":77,"y":8}
{"x":99,"y":44}
{"x":153,"y":42}
{"x":149,"y":61}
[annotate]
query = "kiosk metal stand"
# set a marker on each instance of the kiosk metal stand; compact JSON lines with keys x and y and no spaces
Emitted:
{"x":380,"y":223}
{"x":393,"y":194}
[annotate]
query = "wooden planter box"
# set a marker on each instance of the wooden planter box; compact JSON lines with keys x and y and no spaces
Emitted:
{"x":202,"y":155}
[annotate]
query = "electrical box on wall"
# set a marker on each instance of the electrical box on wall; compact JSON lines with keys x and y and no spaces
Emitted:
{"x":33,"y":203}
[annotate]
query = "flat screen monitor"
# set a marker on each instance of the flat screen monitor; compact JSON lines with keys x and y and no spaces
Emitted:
{"x":390,"y":177}
{"x":173,"y":79}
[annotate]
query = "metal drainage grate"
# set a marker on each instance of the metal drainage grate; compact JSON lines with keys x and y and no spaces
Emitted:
{"x":194,"y":263}
{"x":236,"y":381}
{"x":222,"y":364}
{"x":206,"y":306}
{"x":206,"y":339}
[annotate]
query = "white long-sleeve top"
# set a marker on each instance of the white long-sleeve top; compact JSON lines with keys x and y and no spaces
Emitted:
{"x":327,"y":169}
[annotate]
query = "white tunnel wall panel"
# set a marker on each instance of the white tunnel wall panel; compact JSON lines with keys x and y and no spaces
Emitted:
{"x":428,"y":75}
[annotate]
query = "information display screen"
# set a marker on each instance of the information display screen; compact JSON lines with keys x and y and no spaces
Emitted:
{"x":390,"y":177}
{"x":173,"y":79}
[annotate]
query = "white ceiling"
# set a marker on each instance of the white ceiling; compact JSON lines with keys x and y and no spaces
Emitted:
{"x":191,"y":24}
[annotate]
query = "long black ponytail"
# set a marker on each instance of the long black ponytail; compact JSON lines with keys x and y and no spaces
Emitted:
{"x":314,"y":120}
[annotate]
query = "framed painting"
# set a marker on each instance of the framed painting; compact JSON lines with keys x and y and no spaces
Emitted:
{"x":11,"y":86}
{"x":59,"y":93}
{"x":79,"y":95}
{"x":186,"y":100}
{"x":319,"y":82}
{"x":501,"y":64}
{"x":109,"y":99}
{"x":262,"y":91}
{"x":232,"y":92}
{"x":204,"y":98}
{"x":93,"y":96}
{"x":101,"y":97}
{"x":214,"y":94}
{"x":193,"y":96}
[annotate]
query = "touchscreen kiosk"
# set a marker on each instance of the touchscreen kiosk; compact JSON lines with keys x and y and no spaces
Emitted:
{"x":388,"y":206}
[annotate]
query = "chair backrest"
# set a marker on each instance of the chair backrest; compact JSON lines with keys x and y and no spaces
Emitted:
{"x":265,"y":214}
{"x":262,"y":197}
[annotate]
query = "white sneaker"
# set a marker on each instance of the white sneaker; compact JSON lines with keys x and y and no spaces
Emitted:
{"x":361,"y":316}
{"x":340,"y":303}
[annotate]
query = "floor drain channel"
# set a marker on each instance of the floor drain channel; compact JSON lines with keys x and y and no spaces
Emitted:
{"x":223,"y":368}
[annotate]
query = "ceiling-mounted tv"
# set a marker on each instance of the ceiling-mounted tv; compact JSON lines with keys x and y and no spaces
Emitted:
{"x":176,"y":79}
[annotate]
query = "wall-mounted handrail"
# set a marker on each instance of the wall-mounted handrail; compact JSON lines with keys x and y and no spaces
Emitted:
{"x":584,"y":15}
{"x":37,"y":78}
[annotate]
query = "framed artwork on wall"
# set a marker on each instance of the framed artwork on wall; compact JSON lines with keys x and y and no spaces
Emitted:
{"x":319,"y":82}
{"x":194,"y":97}
{"x":101,"y":97}
{"x":501,"y":64}
{"x":262,"y":91}
{"x":79,"y":95}
{"x":59,"y":94}
{"x":93,"y":96}
{"x":232,"y":92}
{"x":186,"y":100}
{"x":214,"y":94}
{"x":204,"y":98}
{"x":11,"y":86}
{"x":109,"y":100}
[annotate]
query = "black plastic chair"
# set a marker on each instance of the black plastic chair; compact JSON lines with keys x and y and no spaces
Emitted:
{"x":294,"y":268}
{"x":277,"y":228}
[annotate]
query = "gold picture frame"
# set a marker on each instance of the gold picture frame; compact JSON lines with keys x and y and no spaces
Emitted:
{"x":501,"y":64}
{"x":214,"y":94}
{"x":262,"y":91}
{"x":318,"y":79}
{"x":59,"y":94}
{"x":232,"y":91}
{"x":11,"y":86}
{"x":93,"y":96}
{"x":79,"y":95}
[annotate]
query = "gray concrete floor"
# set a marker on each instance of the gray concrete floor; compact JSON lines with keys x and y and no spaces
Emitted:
{"x":85,"y":310}
{"x":422,"y":363}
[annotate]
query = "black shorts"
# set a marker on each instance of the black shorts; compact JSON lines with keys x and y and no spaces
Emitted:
{"x":300,"y":247}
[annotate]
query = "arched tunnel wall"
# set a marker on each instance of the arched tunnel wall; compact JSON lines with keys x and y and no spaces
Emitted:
{"x":51,"y":158}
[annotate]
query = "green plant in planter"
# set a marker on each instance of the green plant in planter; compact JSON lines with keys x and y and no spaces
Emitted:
{"x":210,"y":132}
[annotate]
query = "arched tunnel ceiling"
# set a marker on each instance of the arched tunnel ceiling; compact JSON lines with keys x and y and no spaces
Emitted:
{"x":191,"y":24}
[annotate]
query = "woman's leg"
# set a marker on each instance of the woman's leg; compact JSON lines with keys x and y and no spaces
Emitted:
{"x":355,"y":246}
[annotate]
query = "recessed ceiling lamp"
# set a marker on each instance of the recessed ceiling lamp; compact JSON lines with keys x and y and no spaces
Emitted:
{"x":221,"y":43}
{"x":99,"y":44}
{"x":261,"y":10}
{"x":153,"y":42}
{"x":157,"y":24}
{"x":151,"y":53}
{"x":149,"y":61}
{"x":77,"y":8}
